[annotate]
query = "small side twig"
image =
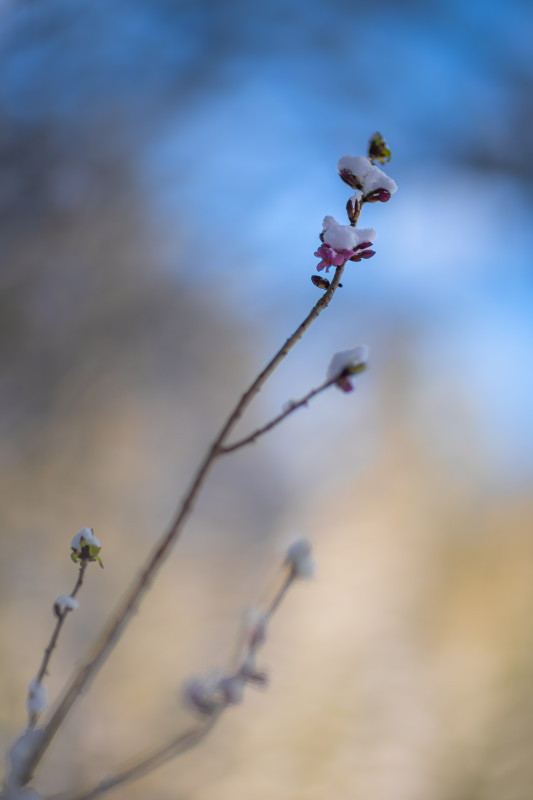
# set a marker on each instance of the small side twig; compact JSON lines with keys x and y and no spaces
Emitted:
{"x":211,"y":695}
{"x":43,"y":670}
{"x":142,"y":765}
{"x":292,"y":406}
{"x":36,"y":702}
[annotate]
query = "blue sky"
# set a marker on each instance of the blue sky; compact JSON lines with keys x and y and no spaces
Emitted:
{"x":235,"y":116}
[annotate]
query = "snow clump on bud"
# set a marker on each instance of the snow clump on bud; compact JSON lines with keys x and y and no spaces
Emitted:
{"x":359,"y":173}
{"x":300,"y":560}
{"x":343,"y":243}
{"x":64,"y":603}
{"x":345,"y":365}
{"x":85,"y":546}
{"x":37,"y":700}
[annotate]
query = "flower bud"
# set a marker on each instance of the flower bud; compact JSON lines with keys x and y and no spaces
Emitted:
{"x":353,"y":208}
{"x":346,"y":364}
{"x":36,"y":700}
{"x":377,"y":149}
{"x":63,"y":604}
{"x":352,"y":180}
{"x":377,"y":196}
{"x":320,"y":282}
{"x":363,"y":254}
{"x":201,"y":694}
{"x":86,"y":547}
{"x":299,"y":559}
{"x":232,"y":688}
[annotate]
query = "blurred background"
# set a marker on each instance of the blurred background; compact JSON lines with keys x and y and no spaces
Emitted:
{"x":164,"y":170}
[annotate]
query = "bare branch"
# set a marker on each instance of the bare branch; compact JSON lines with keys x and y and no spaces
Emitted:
{"x":111,"y":634}
{"x":292,"y":406}
{"x":145,"y":763}
{"x":59,"y":624}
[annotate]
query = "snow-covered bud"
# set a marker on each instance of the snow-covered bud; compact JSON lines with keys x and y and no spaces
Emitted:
{"x":342,"y":243}
{"x":63,"y":604}
{"x":288,"y":406}
{"x":86,"y":547}
{"x":19,"y":756}
{"x":345,"y":365}
{"x":362,"y":251}
{"x":359,"y":173}
{"x":36,"y":700}
{"x":199,"y":693}
{"x":300,"y":560}
{"x":232,"y":689}
{"x":350,"y":178}
{"x":377,"y":149}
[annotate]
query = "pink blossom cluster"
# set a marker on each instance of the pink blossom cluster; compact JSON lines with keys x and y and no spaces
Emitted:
{"x":342,"y":243}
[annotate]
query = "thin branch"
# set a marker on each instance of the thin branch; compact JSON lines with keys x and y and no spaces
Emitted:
{"x":292,"y":406}
{"x":280,"y":594}
{"x":130,"y":605}
{"x":144,"y":764}
{"x":59,"y":624}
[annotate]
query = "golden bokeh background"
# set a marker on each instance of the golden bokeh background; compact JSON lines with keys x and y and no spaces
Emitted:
{"x":130,"y":324}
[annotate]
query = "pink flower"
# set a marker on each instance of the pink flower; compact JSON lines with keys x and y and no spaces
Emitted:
{"x":336,"y":258}
{"x":362,"y":251}
{"x":331,"y":257}
{"x":342,"y":243}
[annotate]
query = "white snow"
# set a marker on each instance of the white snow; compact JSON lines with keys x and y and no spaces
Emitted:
{"x":370,"y":176}
{"x":300,"y":559}
{"x":21,"y":750}
{"x":65,"y":603}
{"x":36,"y":701}
{"x":345,"y":237}
{"x":356,"y":197}
{"x":347,"y":359}
{"x":88,"y":535}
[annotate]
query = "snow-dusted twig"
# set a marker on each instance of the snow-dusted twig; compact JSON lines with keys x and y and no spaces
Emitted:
{"x":209,"y":696}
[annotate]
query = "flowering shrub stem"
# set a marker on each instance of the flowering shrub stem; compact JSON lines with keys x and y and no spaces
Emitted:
{"x":130,"y":605}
